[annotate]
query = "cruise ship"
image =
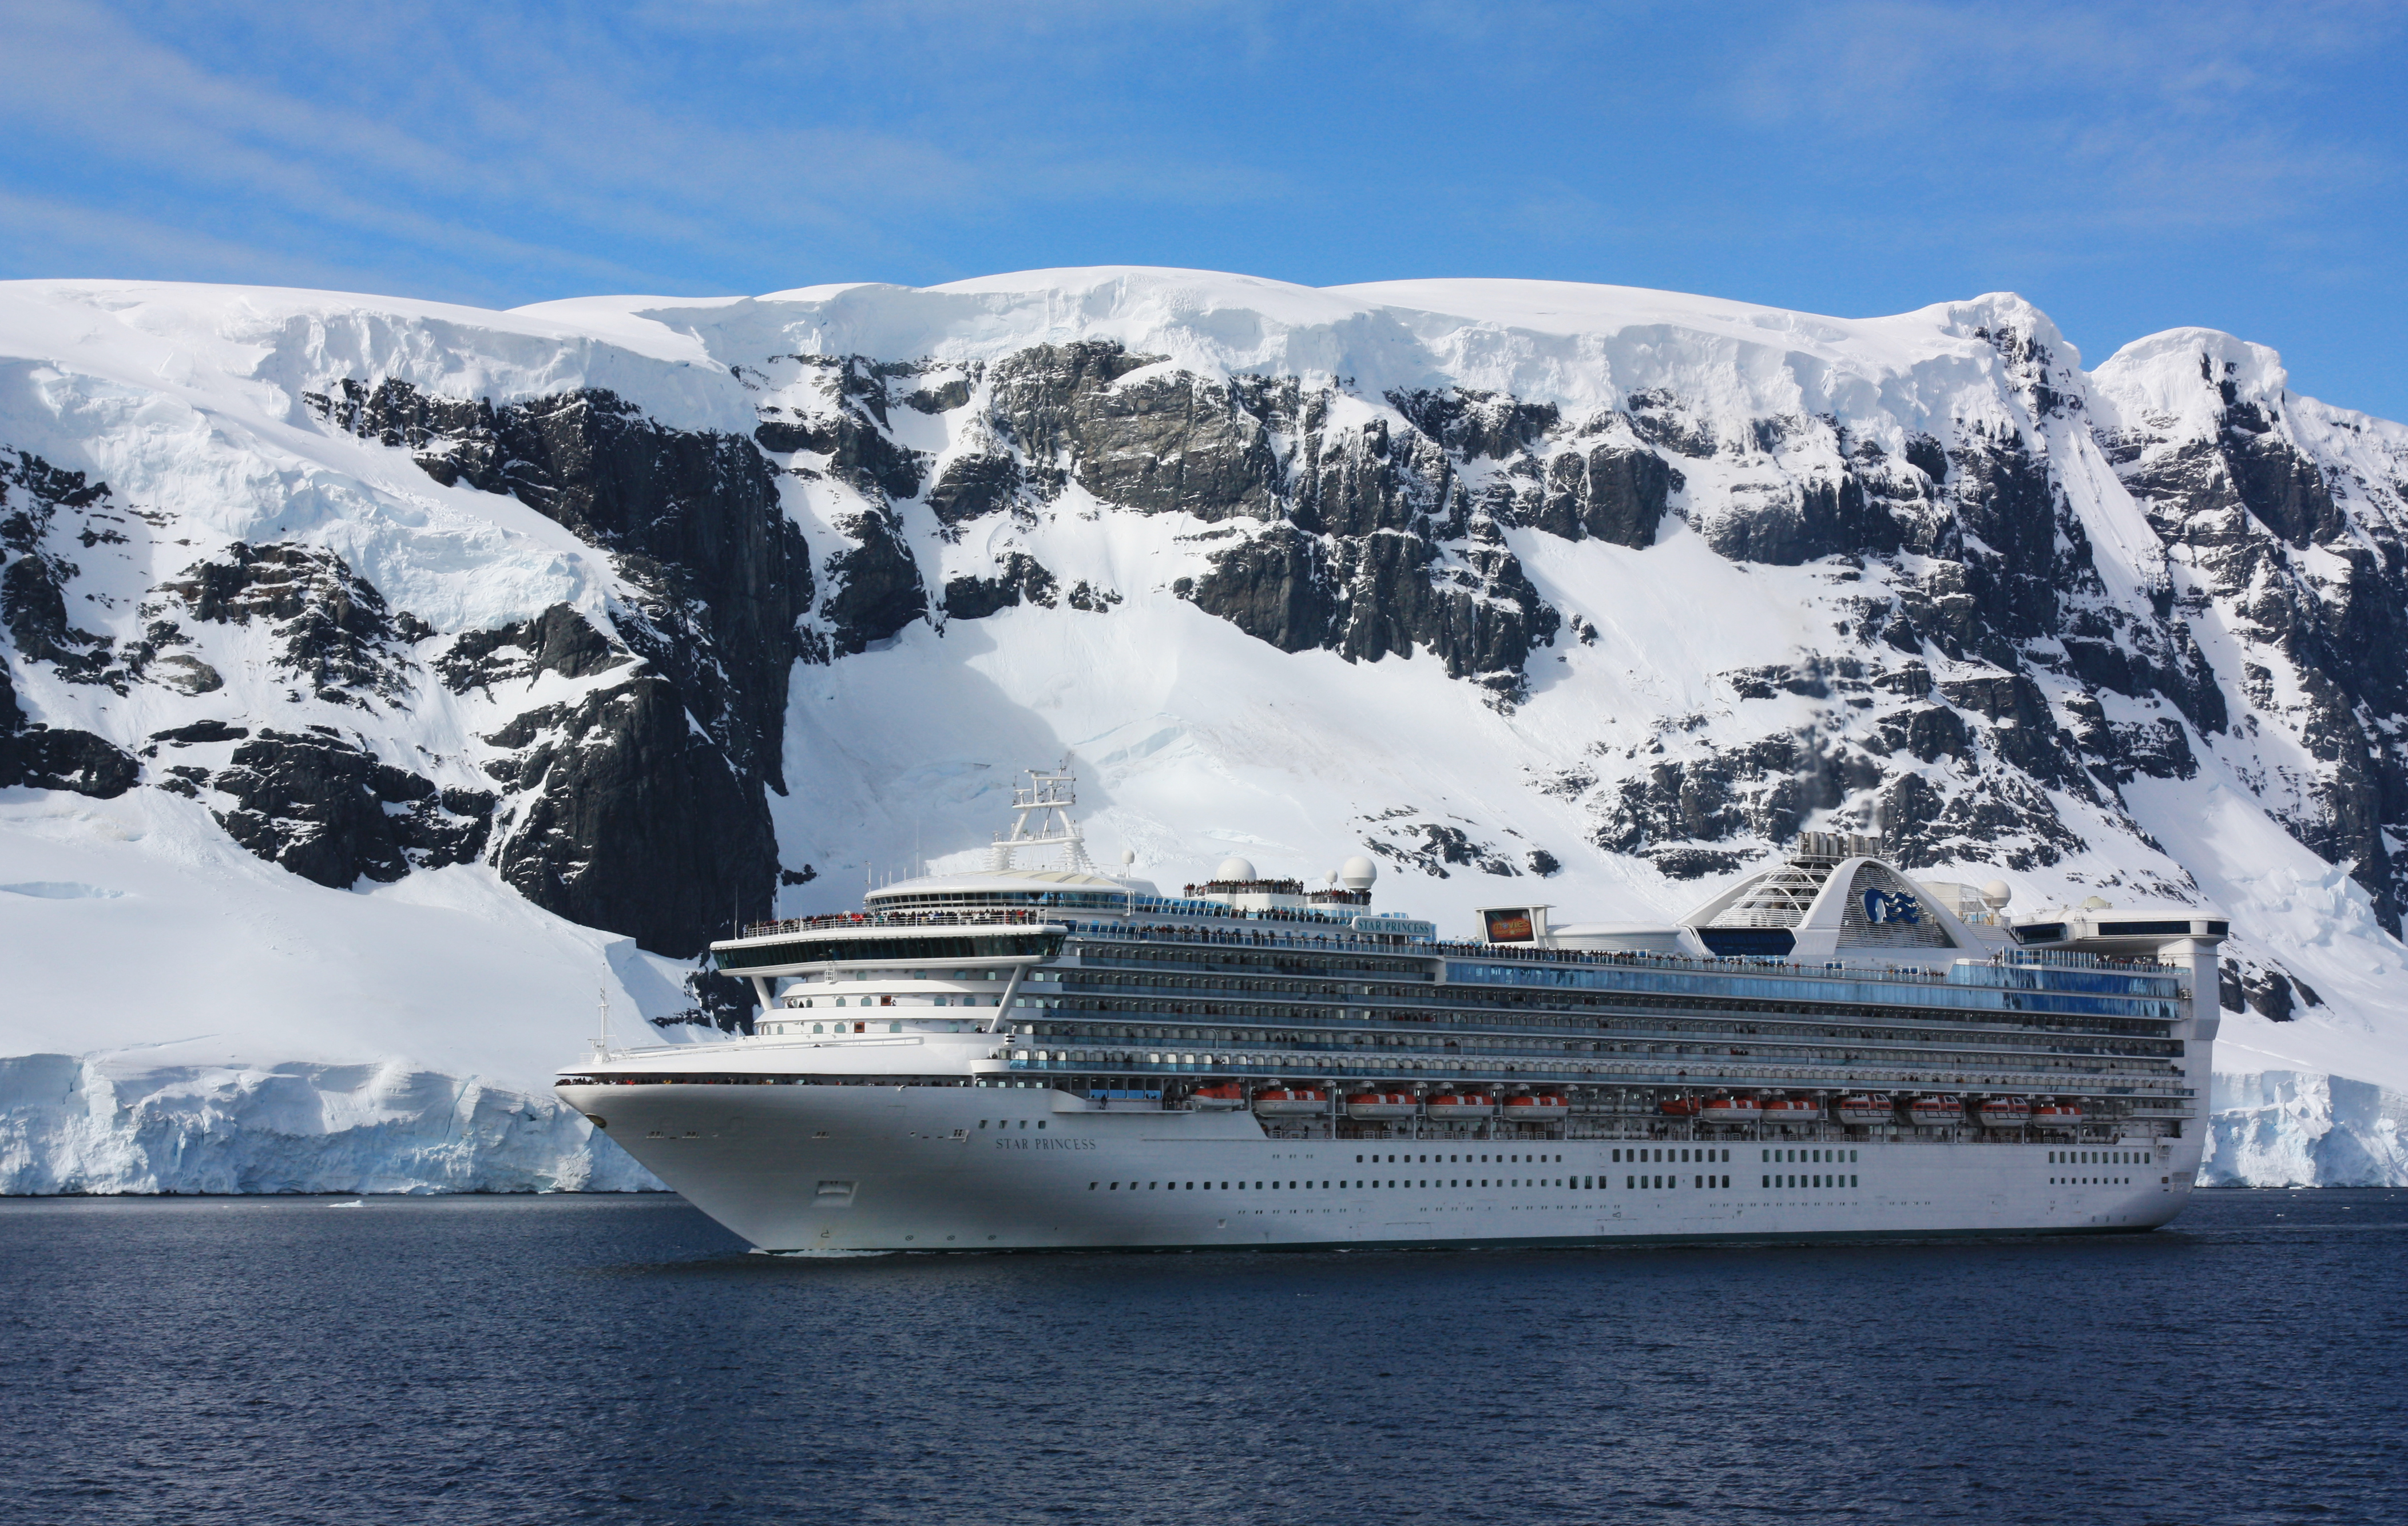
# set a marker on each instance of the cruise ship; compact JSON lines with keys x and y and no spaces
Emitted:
{"x":1041,"y":1055}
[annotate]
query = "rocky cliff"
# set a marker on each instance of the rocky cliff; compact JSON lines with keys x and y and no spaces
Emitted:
{"x":658,"y":614}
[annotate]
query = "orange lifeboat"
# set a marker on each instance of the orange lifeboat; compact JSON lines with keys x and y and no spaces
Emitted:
{"x":2056,"y":1115}
{"x":2006,"y":1113}
{"x":1793,"y":1110}
{"x":1291,"y":1102}
{"x":1376,"y":1106}
{"x":1732,"y":1110}
{"x":1681,"y":1106}
{"x":1220,"y":1097}
{"x":1937,"y":1111}
{"x":1461,"y":1106}
{"x":1865,"y":1109}
{"x":1536,"y":1108}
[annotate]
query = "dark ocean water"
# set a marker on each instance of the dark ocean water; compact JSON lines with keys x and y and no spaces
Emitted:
{"x":266,"y":1361}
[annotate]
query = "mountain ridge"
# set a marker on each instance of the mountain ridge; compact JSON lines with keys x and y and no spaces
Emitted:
{"x":638,"y":608}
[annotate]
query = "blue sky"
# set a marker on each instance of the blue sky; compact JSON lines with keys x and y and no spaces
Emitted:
{"x":2128,"y":168}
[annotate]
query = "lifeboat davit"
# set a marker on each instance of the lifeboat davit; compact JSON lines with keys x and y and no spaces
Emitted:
{"x":1864,"y":1109}
{"x":1381,"y":1105}
{"x":1290,"y":1102}
{"x":1937,"y":1111}
{"x":2056,"y":1115}
{"x":1461,"y":1106}
{"x":1731,"y":1110}
{"x":1681,"y":1106}
{"x":1793,"y":1110}
{"x":2005,"y":1113}
{"x":1536,"y":1108}
{"x":1220,"y":1098}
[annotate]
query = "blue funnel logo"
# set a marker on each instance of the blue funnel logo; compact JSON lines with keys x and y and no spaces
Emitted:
{"x":1887,"y":907}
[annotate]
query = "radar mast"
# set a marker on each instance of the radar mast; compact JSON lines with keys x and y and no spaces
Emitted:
{"x":1041,"y":820}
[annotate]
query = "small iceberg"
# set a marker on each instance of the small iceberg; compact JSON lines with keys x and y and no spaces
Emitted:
{"x":354,"y":1203}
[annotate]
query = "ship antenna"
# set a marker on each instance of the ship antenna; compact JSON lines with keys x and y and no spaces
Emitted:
{"x":602,"y":1033}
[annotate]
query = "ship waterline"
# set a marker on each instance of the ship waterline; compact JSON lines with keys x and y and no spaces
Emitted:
{"x":1029,"y":1059}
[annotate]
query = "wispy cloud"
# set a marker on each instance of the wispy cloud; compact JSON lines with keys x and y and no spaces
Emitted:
{"x":2134,"y":114}
{"x":552,"y":153}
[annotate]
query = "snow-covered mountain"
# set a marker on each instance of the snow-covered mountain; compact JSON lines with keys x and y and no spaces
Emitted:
{"x":383,"y":678}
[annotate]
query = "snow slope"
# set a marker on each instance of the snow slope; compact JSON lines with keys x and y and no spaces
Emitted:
{"x":1151,"y":518}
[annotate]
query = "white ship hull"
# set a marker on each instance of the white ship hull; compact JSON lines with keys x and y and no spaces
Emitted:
{"x":937,"y":1168}
{"x":1021,"y":1059}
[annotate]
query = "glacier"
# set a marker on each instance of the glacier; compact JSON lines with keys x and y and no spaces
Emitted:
{"x":394,"y":691}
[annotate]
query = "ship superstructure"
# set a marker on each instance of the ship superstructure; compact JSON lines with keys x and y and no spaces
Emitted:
{"x":1030,"y":1056}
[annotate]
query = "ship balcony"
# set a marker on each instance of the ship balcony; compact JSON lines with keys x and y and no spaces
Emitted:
{"x":2168,"y":1096}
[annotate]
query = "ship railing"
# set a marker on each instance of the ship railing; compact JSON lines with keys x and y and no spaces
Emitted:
{"x":1257,"y":937}
{"x":897,"y":919}
{"x":1054,"y":1062}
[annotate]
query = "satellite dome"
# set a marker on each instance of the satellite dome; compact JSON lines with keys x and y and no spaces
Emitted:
{"x":1357,"y":873}
{"x":1995,"y":895}
{"x":1234,"y":867}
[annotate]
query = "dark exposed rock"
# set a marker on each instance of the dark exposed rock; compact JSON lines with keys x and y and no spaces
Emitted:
{"x":1928,"y":456}
{"x":1543,"y":863}
{"x":1361,"y":481}
{"x":858,"y":451}
{"x":874,"y":588}
{"x":1764,"y":790}
{"x":1431,"y":847}
{"x":941,"y":398}
{"x":2268,"y":992}
{"x":336,"y":636}
{"x":1930,"y":734}
{"x":975,"y":598}
{"x":692,"y":516}
{"x":1275,"y":587}
{"x":33,"y":585}
{"x":333,"y":813}
{"x":1475,"y":423}
{"x":1162,"y":443}
{"x":2022,"y":730}
{"x":1997,"y":816}
{"x":43,"y":757}
{"x":1764,"y":682}
{"x":1659,"y":418}
{"x":695,"y":521}
{"x":620,"y":817}
{"x":2240,"y":503}
{"x":559,"y":640}
{"x":972,"y":485}
{"x":201,"y":730}
{"x":1695,"y":862}
{"x":1612,"y":493}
